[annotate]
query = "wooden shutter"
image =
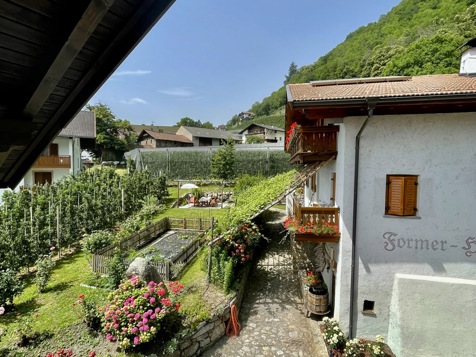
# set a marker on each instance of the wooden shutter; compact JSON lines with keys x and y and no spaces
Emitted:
{"x":410,"y":196}
{"x":313,"y":182}
{"x":401,"y":198}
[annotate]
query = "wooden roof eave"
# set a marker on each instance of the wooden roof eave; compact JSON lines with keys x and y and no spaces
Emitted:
{"x":138,"y":25}
{"x":316,"y":109}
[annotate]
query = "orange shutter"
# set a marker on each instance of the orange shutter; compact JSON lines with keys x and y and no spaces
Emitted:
{"x":410,"y":196}
{"x":395,"y":195}
{"x":401,"y":197}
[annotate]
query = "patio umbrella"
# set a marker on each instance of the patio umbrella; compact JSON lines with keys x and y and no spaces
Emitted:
{"x":189,"y":185}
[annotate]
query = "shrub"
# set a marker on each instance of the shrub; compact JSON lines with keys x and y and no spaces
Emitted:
{"x":116,"y":269}
{"x":137,"y":311}
{"x":88,"y":312}
{"x":97,"y":240}
{"x":246,"y":181}
{"x":44,"y":266}
{"x":10,"y":286}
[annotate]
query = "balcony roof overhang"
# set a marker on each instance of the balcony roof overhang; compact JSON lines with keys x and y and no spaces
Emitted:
{"x":53,"y":58}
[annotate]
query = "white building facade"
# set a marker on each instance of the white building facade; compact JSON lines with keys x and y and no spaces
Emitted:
{"x":62,"y":157}
{"x":409,"y":277}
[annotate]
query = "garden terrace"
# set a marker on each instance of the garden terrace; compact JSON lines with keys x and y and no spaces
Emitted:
{"x":177,"y":239}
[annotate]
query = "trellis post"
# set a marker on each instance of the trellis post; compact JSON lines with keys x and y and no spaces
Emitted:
{"x":209,"y":270}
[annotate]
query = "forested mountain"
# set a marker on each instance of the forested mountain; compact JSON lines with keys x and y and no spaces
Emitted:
{"x":416,"y":37}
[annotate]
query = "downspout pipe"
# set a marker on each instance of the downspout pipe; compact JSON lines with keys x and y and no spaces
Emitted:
{"x":372,"y":102}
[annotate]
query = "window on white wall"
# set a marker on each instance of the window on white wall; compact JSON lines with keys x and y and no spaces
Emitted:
{"x":401,"y":195}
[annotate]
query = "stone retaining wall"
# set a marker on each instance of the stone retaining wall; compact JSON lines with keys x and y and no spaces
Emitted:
{"x":210,"y":331}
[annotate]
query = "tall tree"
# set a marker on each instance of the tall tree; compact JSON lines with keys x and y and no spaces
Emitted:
{"x":208,"y":125}
{"x":186,"y":121}
{"x":291,"y":71}
{"x":223,"y":162}
{"x":113,"y":135}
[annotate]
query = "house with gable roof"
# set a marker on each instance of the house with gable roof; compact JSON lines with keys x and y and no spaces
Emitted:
{"x":396,"y":172}
{"x":153,"y":139}
{"x":207,"y":137}
{"x":269,"y":133}
{"x":62,"y":157}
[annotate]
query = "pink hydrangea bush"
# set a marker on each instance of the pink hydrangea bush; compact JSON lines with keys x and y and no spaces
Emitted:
{"x":138,"y":311}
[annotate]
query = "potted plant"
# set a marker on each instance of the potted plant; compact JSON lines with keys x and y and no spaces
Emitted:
{"x":316,"y":283}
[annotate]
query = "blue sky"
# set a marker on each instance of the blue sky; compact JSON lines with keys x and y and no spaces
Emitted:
{"x":212,"y":59}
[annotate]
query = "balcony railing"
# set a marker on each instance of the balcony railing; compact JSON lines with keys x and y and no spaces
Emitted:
{"x":47,"y":162}
{"x":316,"y":216}
{"x":312,"y":144}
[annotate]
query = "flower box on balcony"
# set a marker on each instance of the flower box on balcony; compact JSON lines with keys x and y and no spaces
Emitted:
{"x":317,"y":238}
{"x":314,"y":229}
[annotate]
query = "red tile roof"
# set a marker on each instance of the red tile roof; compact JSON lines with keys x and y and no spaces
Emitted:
{"x":434,"y":85}
{"x":167,"y":137}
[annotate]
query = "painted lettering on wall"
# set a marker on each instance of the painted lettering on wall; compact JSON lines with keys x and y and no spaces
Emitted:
{"x":393,"y":241}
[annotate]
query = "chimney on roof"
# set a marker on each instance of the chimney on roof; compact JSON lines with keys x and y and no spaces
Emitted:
{"x":468,"y":59}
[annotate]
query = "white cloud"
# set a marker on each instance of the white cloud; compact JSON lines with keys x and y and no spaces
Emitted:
{"x":138,"y":72}
{"x":177,"y":92}
{"x":134,"y":101}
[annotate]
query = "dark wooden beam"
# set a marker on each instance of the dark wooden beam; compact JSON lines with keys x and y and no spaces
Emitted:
{"x":82,"y":31}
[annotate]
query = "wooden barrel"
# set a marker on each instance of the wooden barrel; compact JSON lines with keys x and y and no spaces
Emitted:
{"x":317,"y":304}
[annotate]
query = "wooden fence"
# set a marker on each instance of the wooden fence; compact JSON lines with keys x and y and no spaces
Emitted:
{"x":99,"y":261}
{"x":195,"y":224}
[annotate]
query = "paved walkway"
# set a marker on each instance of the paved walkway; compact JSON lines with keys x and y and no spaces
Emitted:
{"x":273,"y":320}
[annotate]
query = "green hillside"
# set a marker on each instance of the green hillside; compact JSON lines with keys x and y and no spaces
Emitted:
{"x":416,"y":37}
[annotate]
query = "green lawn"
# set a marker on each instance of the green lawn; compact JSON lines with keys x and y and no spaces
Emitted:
{"x":52,"y":312}
{"x":53,"y":307}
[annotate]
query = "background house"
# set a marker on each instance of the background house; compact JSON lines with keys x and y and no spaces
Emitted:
{"x":153,"y":139}
{"x":269,"y":133}
{"x":403,"y":180}
{"x":207,"y":137}
{"x":157,"y":128}
{"x":63,"y":156}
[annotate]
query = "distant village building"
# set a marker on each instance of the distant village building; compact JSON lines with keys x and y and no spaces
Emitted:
{"x":245,"y":116}
{"x":207,"y":137}
{"x":269,"y":133}
{"x":157,"y":128}
{"x":152,"y":139}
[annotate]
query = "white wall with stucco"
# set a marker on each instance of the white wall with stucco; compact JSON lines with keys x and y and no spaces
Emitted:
{"x":440,"y":149}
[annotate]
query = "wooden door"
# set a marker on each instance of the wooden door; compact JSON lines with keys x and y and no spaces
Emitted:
{"x":53,"y":150}
{"x":42,"y":177}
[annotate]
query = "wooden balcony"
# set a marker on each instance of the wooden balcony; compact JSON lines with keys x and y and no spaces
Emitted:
{"x":316,"y":216}
{"x":313,"y":144}
{"x":53,"y":162}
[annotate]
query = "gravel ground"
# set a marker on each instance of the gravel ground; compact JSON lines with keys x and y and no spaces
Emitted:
{"x":173,"y":242}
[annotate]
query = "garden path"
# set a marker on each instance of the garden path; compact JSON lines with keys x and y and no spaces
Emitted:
{"x":272,"y":316}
